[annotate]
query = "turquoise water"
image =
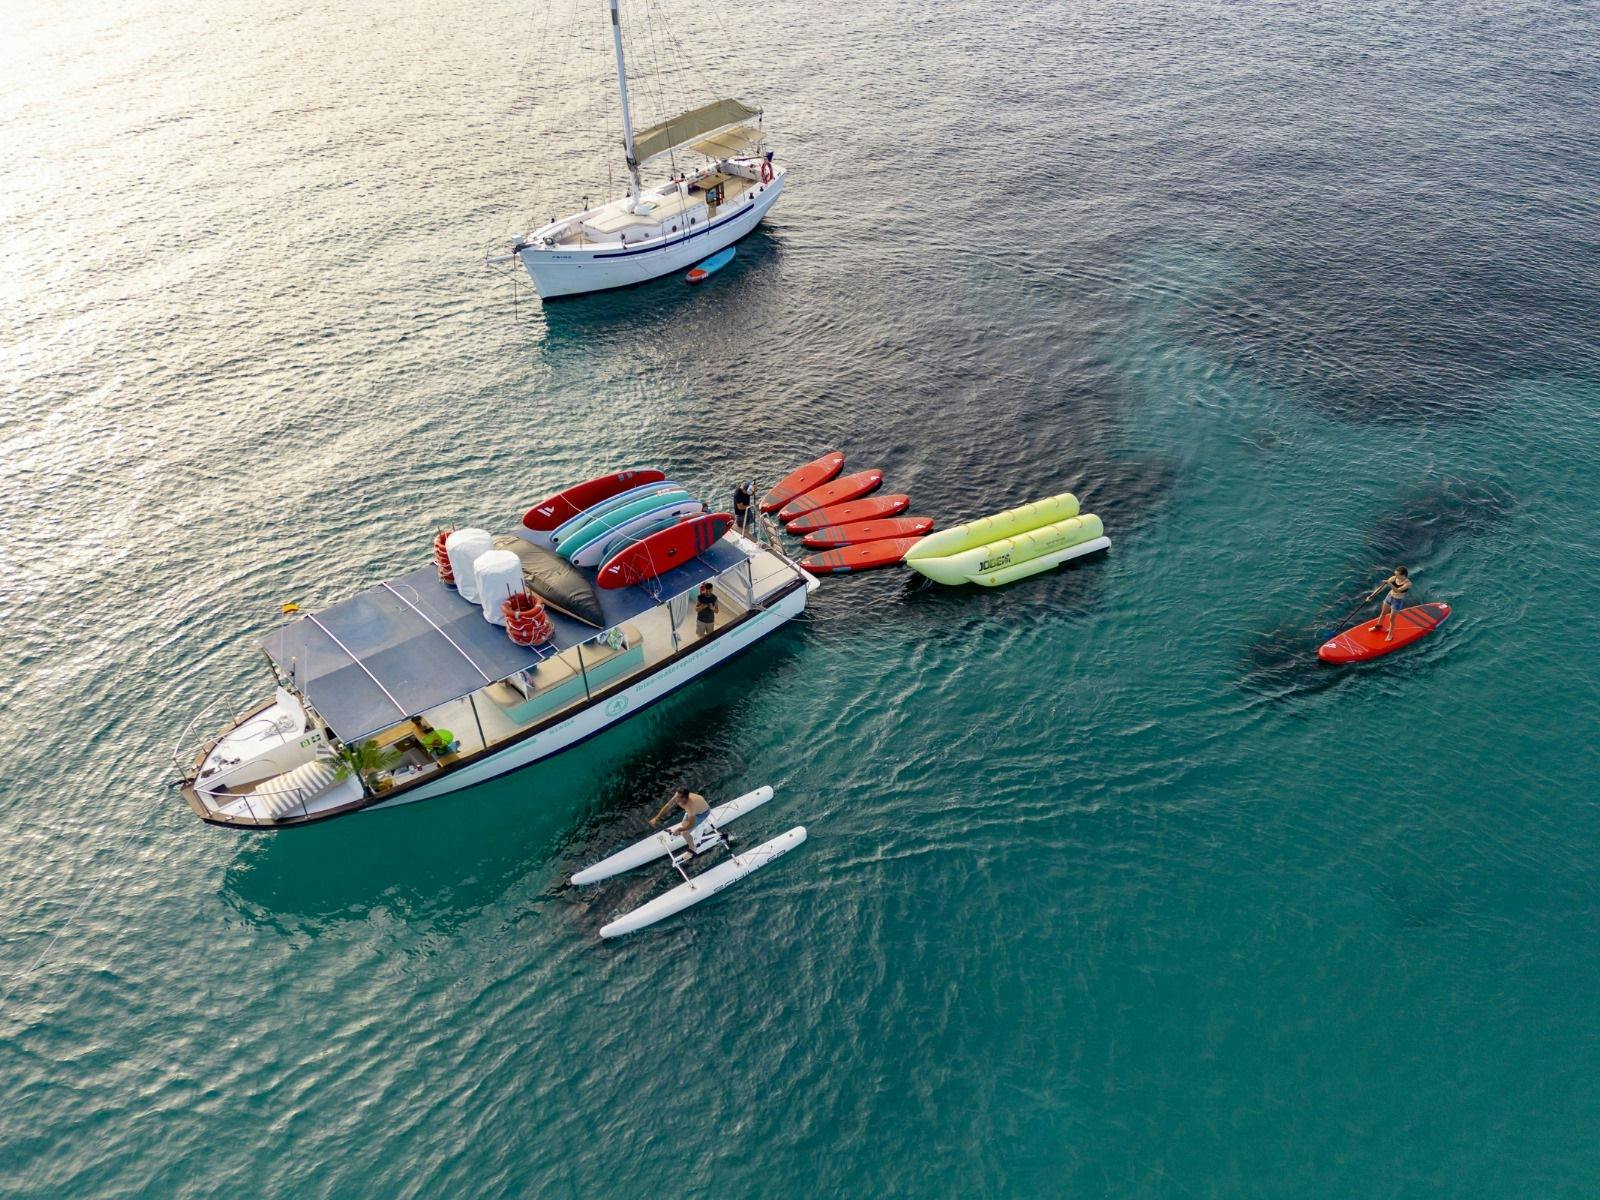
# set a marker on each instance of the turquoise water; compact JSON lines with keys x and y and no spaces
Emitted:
{"x":1110,"y":890}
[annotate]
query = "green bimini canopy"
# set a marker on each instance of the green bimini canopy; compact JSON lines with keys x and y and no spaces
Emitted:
{"x":689,"y":127}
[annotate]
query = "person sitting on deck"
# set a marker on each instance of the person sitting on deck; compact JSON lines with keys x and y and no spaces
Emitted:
{"x":695,"y":811}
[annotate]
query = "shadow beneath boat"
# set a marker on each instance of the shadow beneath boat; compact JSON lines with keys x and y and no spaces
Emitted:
{"x":443,"y":861}
{"x":656,"y":307}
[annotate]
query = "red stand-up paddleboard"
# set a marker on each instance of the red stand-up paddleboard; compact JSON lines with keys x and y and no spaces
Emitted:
{"x":869,"y":509}
{"x":868,"y":531}
{"x":661,"y":551}
{"x":563,"y":506}
{"x":1364,"y":642}
{"x":798,"y":483}
{"x":859,"y":558}
{"x":846,"y":487}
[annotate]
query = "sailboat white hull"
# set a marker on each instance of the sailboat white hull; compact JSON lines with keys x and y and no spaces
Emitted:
{"x":566,"y":270}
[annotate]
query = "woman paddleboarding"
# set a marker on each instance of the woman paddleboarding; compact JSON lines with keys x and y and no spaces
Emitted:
{"x":1399,"y":583}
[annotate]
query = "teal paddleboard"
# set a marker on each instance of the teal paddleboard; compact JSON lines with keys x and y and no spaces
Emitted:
{"x":604,"y":525}
{"x":711,"y":265}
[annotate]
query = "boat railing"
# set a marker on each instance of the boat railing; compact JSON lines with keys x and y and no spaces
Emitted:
{"x":767,"y":531}
{"x":259,"y":793}
{"x":188,"y":749}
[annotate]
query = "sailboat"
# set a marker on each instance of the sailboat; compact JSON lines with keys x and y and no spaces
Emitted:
{"x":668,"y":227}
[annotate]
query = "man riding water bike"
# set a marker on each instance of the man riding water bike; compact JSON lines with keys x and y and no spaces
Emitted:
{"x":695,"y":811}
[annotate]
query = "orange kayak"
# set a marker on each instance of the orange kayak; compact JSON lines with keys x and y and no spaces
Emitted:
{"x":798,"y":483}
{"x":847,"y":487}
{"x":859,"y":558}
{"x":869,"y":509}
{"x":867,"y":531}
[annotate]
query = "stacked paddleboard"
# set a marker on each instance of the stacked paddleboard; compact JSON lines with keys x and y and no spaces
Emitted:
{"x":627,"y":527}
{"x":841,"y":516}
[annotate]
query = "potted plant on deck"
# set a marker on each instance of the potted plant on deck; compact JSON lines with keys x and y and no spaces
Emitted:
{"x":368,"y":760}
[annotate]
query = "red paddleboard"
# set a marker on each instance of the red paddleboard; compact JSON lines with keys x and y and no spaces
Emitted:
{"x":1364,"y":642}
{"x":847,"y":487}
{"x":859,"y":558}
{"x":563,"y":506}
{"x":798,"y":483}
{"x":869,"y":509}
{"x":868,"y":531}
{"x":663,"y":550}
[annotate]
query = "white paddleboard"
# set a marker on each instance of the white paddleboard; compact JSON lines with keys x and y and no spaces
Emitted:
{"x":660,"y":844}
{"x":704,"y":886}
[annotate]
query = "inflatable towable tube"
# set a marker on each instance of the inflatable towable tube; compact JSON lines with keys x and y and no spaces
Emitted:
{"x":1009,"y":545}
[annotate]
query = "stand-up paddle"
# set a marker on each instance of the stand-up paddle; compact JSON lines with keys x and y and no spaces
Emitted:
{"x":1326,"y":633}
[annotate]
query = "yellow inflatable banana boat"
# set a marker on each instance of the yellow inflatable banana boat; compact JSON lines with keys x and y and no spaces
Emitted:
{"x":1010,"y":545}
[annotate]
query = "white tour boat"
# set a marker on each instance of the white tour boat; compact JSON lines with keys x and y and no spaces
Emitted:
{"x":669,"y":227}
{"x":413,"y":688}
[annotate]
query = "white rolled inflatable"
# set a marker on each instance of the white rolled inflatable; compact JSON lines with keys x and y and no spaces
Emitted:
{"x":497,"y":574}
{"x":462,"y":548}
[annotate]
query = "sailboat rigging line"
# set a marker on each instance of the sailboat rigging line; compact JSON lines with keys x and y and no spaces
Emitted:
{"x":536,"y":41}
{"x":659,"y":82}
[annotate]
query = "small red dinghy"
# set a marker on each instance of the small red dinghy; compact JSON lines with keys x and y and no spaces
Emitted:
{"x":661,"y":551}
{"x":859,"y":558}
{"x":868,"y":531}
{"x":846,"y":487}
{"x":869,"y":509}
{"x":1365,"y":641}
{"x":798,"y":483}
{"x":563,"y":506}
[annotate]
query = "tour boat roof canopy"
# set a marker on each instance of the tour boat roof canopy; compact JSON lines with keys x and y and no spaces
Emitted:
{"x":410,"y":644}
{"x":730,"y":143}
{"x":689,"y":127}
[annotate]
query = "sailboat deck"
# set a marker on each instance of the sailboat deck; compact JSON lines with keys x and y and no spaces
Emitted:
{"x":615,"y":218}
{"x":662,"y":212}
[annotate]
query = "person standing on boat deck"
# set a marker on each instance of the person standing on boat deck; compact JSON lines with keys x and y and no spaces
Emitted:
{"x":695,"y":811}
{"x":1398,"y":584}
{"x":741,"y":506}
{"x":705,"y":610}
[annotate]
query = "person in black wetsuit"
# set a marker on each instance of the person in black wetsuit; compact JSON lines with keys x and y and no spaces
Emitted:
{"x":742,"y":506}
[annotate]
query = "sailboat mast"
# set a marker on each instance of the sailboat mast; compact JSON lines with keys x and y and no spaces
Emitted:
{"x":627,"y":117}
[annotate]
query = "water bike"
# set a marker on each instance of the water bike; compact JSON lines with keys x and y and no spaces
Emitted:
{"x":709,"y":836}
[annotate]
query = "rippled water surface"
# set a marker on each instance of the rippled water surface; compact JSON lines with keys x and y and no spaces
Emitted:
{"x":1110,"y":890}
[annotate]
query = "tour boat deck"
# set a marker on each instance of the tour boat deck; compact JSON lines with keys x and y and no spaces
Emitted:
{"x":411,"y":645}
